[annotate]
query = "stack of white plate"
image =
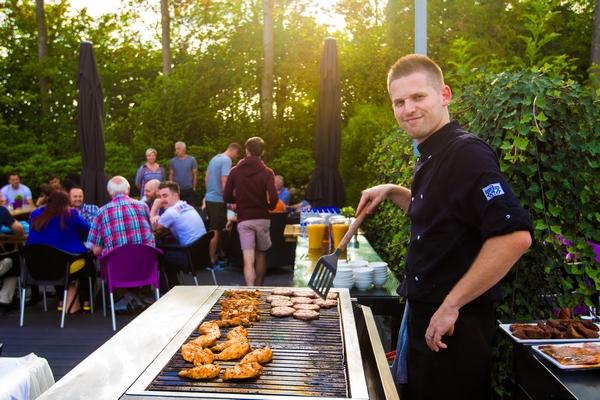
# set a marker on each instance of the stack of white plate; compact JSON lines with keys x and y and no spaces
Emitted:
{"x":381,"y":272}
{"x":343,"y":278}
{"x":363,"y":277}
{"x":357,"y":263}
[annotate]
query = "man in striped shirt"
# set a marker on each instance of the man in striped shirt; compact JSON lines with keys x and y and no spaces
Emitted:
{"x":122,"y":221}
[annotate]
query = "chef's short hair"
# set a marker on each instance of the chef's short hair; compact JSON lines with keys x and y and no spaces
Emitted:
{"x":417,"y":63}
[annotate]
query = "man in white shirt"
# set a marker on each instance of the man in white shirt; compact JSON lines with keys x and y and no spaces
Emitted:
{"x":182,"y":220}
{"x":14,"y":188}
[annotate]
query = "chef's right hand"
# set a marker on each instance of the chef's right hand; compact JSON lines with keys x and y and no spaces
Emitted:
{"x":375,"y":195}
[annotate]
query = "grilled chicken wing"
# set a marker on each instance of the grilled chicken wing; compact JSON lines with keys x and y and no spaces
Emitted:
{"x":206,"y":371}
{"x":260,"y":356}
{"x":243,"y":371}
{"x":206,"y":340}
{"x":236,"y":350}
{"x":224,"y":345}
{"x":204,"y":356}
{"x":239,"y":332}
{"x":189,"y":350}
{"x":210,"y":328}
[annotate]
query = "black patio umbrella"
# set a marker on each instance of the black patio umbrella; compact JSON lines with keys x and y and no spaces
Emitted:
{"x":90,"y":125}
{"x":325,"y":187}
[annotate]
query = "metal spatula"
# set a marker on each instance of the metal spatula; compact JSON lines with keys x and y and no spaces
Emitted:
{"x":326,"y":268}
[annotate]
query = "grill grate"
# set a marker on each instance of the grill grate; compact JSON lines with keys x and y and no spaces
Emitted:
{"x":308,"y":359}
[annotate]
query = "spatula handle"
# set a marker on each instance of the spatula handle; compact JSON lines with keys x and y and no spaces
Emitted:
{"x":353,"y":228}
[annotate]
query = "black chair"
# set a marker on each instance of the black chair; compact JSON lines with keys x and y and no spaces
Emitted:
{"x":198,"y":255}
{"x":48,"y":266}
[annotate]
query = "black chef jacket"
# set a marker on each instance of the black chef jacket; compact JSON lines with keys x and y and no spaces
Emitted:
{"x":459,"y":200}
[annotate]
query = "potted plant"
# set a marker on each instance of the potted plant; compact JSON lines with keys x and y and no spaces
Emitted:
{"x":18,"y":201}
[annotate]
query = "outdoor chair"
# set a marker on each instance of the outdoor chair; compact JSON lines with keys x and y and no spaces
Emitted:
{"x":46,"y":265}
{"x":198,"y":255}
{"x":131,"y":265}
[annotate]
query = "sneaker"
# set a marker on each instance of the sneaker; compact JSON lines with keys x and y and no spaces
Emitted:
{"x":218,"y":267}
{"x":123,"y":306}
{"x":136,"y":304}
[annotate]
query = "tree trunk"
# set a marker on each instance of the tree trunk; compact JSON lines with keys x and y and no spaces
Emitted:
{"x":166,"y":37}
{"x":268,"y":68}
{"x":595,"y":54}
{"x":42,"y":52}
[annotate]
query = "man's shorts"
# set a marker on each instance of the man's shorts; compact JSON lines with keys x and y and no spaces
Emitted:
{"x":217,"y":215}
{"x":254,"y":234}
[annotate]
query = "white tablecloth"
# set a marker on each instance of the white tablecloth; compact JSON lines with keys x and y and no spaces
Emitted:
{"x":24,"y":378}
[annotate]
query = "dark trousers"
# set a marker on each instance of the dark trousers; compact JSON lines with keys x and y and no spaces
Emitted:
{"x":188,"y":195}
{"x":461,"y":371}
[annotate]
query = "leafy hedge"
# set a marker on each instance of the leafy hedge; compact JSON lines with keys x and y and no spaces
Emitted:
{"x":546,"y":134}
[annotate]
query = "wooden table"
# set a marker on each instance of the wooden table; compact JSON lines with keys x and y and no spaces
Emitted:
{"x":382,"y":301}
{"x":22,"y":213}
{"x":14,"y":239}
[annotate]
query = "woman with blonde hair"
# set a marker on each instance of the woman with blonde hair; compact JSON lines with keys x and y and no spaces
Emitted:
{"x":150,"y":170}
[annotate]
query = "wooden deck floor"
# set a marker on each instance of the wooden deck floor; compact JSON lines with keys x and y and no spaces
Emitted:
{"x":84,"y":333}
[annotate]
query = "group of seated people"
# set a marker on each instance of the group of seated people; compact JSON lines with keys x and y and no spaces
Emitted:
{"x":64,"y":221}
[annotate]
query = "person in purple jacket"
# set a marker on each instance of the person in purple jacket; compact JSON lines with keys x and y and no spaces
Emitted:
{"x":251,"y":186}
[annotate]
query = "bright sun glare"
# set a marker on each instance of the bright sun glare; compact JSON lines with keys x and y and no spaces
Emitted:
{"x":99,"y":7}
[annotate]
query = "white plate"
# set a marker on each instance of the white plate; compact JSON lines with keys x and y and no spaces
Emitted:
{"x":506,"y":328}
{"x":562,"y":366}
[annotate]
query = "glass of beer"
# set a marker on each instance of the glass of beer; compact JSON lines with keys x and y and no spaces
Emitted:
{"x":338,"y":227}
{"x":315,"y":229}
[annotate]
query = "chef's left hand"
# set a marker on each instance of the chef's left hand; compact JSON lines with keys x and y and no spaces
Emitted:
{"x":441,"y":323}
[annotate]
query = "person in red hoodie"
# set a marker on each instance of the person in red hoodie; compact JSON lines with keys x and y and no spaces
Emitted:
{"x":251,"y":187}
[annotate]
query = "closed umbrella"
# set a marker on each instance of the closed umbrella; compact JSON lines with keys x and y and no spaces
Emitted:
{"x":325,"y":187}
{"x":90,"y":125}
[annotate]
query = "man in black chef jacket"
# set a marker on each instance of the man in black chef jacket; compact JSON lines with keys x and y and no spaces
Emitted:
{"x":467,"y":230}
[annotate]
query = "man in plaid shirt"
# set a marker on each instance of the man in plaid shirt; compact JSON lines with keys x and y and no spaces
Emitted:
{"x":121,"y":221}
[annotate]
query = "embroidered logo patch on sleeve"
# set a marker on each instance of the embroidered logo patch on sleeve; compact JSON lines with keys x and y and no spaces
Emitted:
{"x":493,"y":190}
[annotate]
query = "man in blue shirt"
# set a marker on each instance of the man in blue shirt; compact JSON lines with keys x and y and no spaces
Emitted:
{"x":283,"y":192}
{"x":184,"y":170}
{"x":215,"y":179}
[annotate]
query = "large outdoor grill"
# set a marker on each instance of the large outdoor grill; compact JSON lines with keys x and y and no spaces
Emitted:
{"x":311,"y":359}
{"x":338,"y":356}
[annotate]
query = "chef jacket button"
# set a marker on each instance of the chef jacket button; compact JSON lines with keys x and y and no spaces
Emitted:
{"x":404,"y":276}
{"x":507,"y":216}
{"x":412,"y":199}
{"x":418,"y":159}
{"x":429,"y":157}
{"x":418,"y":237}
{"x":421,"y":197}
{"x":417,"y":278}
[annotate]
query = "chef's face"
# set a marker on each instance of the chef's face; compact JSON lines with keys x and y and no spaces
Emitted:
{"x":419,"y":107}
{"x":168,"y":198}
